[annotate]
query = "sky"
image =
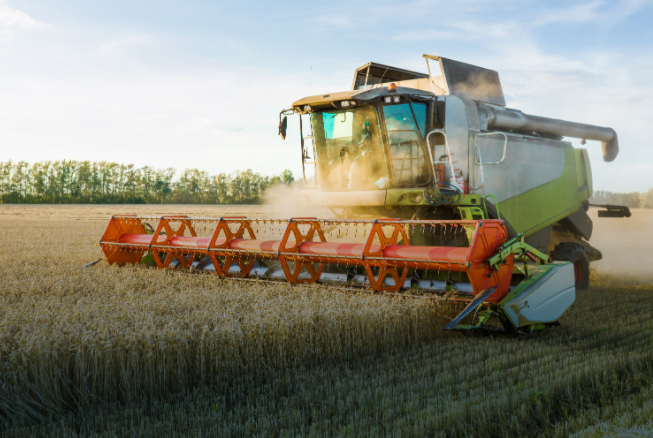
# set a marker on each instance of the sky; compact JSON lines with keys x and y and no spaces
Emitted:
{"x":199,"y":84}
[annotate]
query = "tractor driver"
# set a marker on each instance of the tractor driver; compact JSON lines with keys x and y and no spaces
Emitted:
{"x":368,"y":168}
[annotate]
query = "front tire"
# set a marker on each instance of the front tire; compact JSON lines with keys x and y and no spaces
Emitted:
{"x":574,"y":253}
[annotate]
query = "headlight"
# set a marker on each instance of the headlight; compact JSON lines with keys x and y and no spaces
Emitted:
{"x":388,"y":99}
{"x":307,"y":107}
{"x":353,"y":102}
{"x":397,"y":99}
{"x":344,"y":103}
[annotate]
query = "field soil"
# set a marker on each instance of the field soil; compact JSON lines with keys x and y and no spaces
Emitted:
{"x":105,"y":211}
{"x":134,"y":351}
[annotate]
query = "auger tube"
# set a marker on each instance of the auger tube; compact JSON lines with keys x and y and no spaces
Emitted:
{"x":510,"y":119}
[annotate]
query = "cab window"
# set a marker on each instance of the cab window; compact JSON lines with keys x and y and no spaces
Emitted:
{"x":409,"y":162}
{"x":420,"y":115}
{"x":349,"y":147}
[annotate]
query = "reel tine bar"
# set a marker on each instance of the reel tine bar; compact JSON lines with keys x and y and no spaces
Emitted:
{"x":386,"y":252}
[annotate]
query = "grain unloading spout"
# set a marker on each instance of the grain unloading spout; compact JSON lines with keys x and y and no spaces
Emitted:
{"x":505,"y":119}
{"x":484,"y":86}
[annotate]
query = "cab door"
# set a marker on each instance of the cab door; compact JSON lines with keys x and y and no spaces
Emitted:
{"x":405,"y":127}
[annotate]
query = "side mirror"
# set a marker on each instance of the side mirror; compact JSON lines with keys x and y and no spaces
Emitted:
{"x":283,"y":124}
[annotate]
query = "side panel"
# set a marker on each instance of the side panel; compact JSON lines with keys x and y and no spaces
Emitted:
{"x":540,"y":207}
{"x":529,"y":163}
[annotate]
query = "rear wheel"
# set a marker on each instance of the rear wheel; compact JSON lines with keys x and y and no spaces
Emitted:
{"x":574,"y":253}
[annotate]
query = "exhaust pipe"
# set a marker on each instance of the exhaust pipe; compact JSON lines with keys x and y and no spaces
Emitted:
{"x":509,"y":119}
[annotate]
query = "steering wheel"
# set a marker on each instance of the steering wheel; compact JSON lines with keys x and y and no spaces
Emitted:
{"x":446,"y":194}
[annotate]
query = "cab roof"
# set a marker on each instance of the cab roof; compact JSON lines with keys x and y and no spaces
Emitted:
{"x":455,"y":78}
{"x":361,"y":97}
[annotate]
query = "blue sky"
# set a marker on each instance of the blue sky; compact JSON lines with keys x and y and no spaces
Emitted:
{"x":199,"y":84}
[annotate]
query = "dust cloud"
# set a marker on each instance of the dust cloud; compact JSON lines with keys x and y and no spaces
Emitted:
{"x":480,"y":84}
{"x":284,"y":201}
{"x":280,"y":202}
{"x":625,"y":244}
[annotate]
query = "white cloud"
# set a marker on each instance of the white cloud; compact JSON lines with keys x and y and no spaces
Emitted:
{"x":467,"y":30}
{"x":574,"y":14}
{"x":597,"y":11}
{"x":13,"y":17}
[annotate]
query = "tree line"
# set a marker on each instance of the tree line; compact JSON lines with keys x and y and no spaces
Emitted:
{"x":85,"y":182}
{"x":631,"y":200}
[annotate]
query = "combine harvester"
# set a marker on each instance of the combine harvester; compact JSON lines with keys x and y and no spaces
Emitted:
{"x":488,"y":204}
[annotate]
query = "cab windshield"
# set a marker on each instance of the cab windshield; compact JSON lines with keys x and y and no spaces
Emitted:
{"x":349,"y":150}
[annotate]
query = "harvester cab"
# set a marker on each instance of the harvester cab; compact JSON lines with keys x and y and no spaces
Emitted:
{"x":440,"y":191}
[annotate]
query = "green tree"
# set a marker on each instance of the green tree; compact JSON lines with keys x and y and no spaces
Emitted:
{"x":287,"y":177}
{"x":647,"y":199}
{"x":103,"y":182}
{"x":631,"y":200}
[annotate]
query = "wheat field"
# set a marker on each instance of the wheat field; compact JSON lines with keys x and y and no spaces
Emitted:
{"x":109,"y":351}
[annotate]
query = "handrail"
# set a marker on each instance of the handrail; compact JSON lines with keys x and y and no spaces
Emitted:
{"x":446,"y":145}
{"x":480,"y":163}
{"x":505,"y":146}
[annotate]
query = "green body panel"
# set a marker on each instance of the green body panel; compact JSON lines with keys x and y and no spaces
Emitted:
{"x":580,"y":175}
{"x":471,"y":213}
{"x":583,"y":175}
{"x":588,"y":174}
{"x":516,"y":245}
{"x":408,"y":196}
{"x":543,"y":206}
